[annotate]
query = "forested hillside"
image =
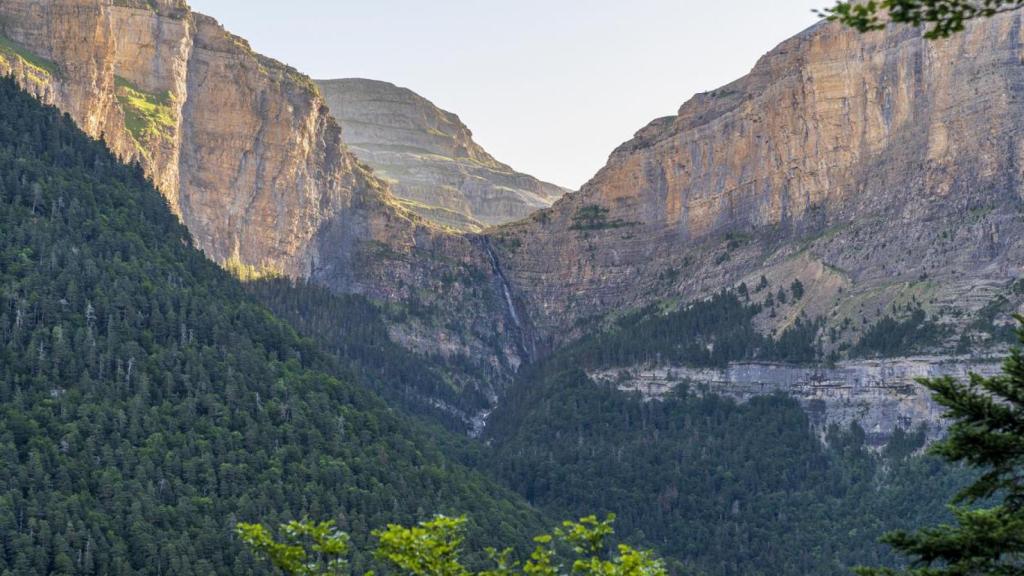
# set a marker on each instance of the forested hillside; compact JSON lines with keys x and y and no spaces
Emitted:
{"x":726,"y":488}
{"x":711,"y":332}
{"x":147,"y":402}
{"x":353,"y":331}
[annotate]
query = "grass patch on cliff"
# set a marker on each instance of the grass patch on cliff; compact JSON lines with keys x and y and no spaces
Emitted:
{"x":249,"y":272}
{"x":145,"y":114}
{"x":36,"y":64}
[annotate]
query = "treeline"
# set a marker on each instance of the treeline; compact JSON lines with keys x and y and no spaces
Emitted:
{"x":711,"y":332}
{"x":726,"y":488}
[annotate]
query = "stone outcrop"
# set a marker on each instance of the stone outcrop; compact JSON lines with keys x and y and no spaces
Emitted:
{"x":241,"y":146}
{"x":878,"y":169}
{"x":429,"y":157}
{"x":878,"y":395}
{"x":247,"y":154}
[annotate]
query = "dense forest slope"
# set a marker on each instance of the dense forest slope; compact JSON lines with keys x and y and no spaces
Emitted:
{"x":429,"y":157}
{"x":247,"y":154}
{"x":147,"y":402}
{"x":728,"y":488}
{"x":880,"y":170}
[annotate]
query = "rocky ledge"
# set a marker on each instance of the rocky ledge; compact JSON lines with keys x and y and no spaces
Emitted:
{"x":878,"y":395}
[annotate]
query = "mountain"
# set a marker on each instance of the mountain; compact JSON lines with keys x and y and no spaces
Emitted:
{"x":245,"y":151}
{"x":429,"y":157}
{"x":804,"y":241}
{"x":878,"y":172}
{"x":147,"y":402}
{"x":201,"y":113}
{"x":882,"y":171}
{"x":853,"y":200}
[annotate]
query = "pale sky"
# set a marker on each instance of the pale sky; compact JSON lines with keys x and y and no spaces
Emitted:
{"x":549,"y":87}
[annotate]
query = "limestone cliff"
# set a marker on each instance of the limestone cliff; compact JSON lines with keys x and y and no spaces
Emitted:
{"x":245,"y":151}
{"x":880,"y":395}
{"x":877,"y":169}
{"x":226,"y":135}
{"x":429,"y":157}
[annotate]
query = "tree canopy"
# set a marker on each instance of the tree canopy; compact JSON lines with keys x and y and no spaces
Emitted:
{"x":942,"y":18}
{"x":435,"y":547}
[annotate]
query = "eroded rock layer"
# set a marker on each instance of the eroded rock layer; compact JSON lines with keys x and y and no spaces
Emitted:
{"x":429,"y":157}
{"x":880,"y":395}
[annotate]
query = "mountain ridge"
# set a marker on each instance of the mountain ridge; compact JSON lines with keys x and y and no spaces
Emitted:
{"x":791,"y":172}
{"x":147,"y":403}
{"x":429,"y":156}
{"x":787,"y":174}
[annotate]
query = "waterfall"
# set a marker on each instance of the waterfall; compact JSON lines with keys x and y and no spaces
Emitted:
{"x":510,"y":304}
{"x":525,"y":341}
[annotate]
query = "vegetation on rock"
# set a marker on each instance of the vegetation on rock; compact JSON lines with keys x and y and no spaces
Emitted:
{"x":910,"y":332}
{"x":711,"y":332}
{"x":354,"y":331}
{"x":146,"y":115}
{"x":38,"y":67}
{"x":987,"y":434}
{"x":727,"y":488}
{"x":595,"y":217}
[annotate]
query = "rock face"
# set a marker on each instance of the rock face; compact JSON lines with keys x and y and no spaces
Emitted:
{"x":879,"y":395}
{"x":241,"y":146}
{"x":877,"y":168}
{"x":429,"y":157}
{"x":246,"y":153}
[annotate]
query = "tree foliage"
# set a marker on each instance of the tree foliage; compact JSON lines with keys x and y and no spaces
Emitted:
{"x":710,"y":332}
{"x":308,"y":549}
{"x":435,"y":548}
{"x":987,"y":434}
{"x":725,"y":488}
{"x":353,"y":331}
{"x":147,"y":402}
{"x":910,"y":331}
{"x":942,"y":18}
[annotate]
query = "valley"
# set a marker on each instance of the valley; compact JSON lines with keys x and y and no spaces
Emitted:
{"x":234,"y":293}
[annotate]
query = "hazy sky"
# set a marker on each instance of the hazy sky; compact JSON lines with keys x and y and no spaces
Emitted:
{"x":550,"y":87}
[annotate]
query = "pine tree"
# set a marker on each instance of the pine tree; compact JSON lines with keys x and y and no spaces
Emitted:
{"x":987,"y":434}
